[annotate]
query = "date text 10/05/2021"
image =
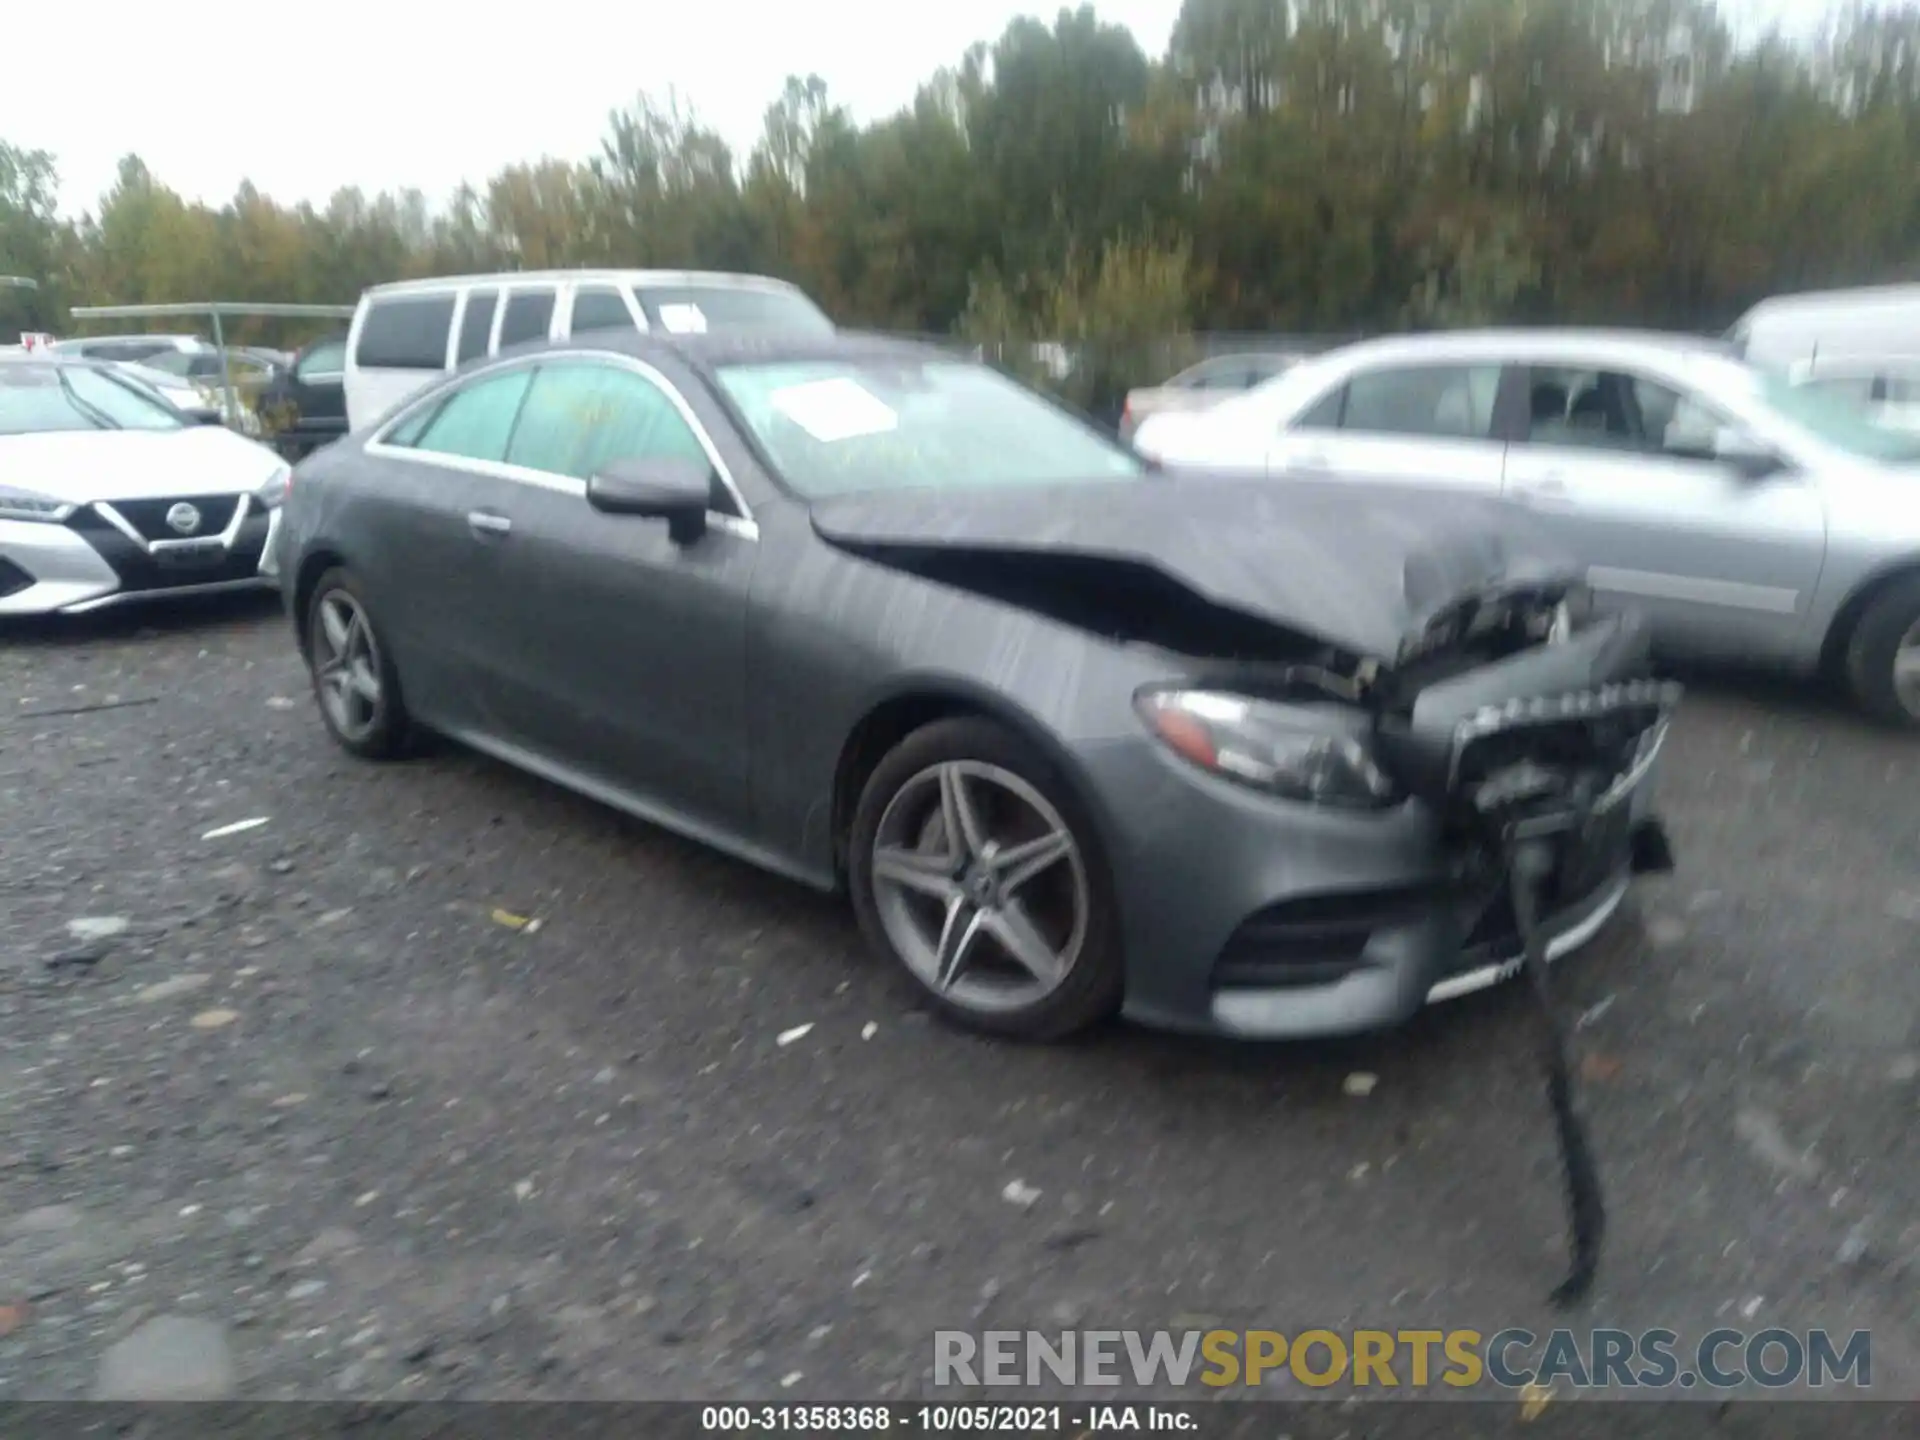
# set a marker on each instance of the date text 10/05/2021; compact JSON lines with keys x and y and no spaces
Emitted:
{"x":942,"y":1419}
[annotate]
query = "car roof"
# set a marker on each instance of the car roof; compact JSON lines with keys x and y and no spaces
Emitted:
{"x":1517,"y":345}
{"x":718,"y":348}
{"x":718,"y":279}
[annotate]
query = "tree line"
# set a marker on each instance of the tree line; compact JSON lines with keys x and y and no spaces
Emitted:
{"x":1288,"y":165}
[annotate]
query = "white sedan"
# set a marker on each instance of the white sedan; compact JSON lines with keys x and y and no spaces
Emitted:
{"x":109,"y":495}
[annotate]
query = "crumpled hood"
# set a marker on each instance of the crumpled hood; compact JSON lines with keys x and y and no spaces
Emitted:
{"x":1350,"y":563}
{"x":87,"y":465}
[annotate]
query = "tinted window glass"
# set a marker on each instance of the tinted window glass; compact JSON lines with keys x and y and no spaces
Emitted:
{"x":326,"y":358}
{"x":1440,"y":400}
{"x":1324,"y":414}
{"x":599,"y":308}
{"x":579,"y":416}
{"x":475,"y":421}
{"x":691,"y":309}
{"x":529,"y":313}
{"x":476,"y":326}
{"x":405,"y":333}
{"x":1611,"y":410}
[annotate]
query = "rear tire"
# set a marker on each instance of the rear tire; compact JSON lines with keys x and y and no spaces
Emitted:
{"x":1883,"y":656}
{"x":353,"y":676}
{"x":1014,"y":929}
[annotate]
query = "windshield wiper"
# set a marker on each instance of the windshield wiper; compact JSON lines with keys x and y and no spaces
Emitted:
{"x":91,"y":411}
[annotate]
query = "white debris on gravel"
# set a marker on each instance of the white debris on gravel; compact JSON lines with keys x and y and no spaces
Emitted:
{"x":1664,"y":932}
{"x":522,"y":1189}
{"x":96,"y":927}
{"x":279,"y":702}
{"x":307,"y":1289}
{"x":1769,"y":1144}
{"x":1904,"y":905}
{"x":791,"y":1379}
{"x":170,"y":1357}
{"x":1360,"y":1083}
{"x":1594,"y":1013}
{"x":169,"y":989}
{"x":220,"y":832}
{"x":1018,"y":1192}
{"x":798,"y":1032}
{"x":869,"y":1030}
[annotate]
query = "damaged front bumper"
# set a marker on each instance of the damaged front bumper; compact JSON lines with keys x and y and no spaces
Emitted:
{"x":1275,"y":920}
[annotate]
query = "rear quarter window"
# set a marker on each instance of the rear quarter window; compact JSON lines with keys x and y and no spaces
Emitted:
{"x":407,"y":333}
{"x":529,"y":314}
{"x":476,"y":326}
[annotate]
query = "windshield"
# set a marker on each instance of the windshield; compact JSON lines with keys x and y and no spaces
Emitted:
{"x":41,"y":399}
{"x":696,"y":309}
{"x":840,"y":426}
{"x":1833,"y":419}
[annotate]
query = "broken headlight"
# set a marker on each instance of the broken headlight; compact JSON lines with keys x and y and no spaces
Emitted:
{"x":1284,"y":750}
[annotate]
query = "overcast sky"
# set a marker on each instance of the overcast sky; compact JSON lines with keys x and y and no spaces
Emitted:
{"x":391,"y":93}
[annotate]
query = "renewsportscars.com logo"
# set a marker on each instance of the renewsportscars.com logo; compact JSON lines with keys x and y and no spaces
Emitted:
{"x":1513,"y":1359}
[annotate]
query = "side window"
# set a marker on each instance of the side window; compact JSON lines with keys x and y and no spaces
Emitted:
{"x":600,"y":307}
{"x":1673,"y":423}
{"x":529,"y":314}
{"x":580,"y":415}
{"x":476,"y":326}
{"x":1324,"y":413}
{"x":405,"y":333}
{"x":323,"y":362}
{"x":474,"y":422}
{"x":1454,"y":401}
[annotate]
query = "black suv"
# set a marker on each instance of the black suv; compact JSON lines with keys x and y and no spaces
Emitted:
{"x":304,"y":404}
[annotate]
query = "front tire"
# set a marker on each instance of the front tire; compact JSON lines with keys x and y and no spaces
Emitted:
{"x":1883,"y":656}
{"x":974,"y":868}
{"x":353,"y":675}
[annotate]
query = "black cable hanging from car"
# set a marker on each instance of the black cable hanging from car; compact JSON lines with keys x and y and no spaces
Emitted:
{"x":1528,"y":864}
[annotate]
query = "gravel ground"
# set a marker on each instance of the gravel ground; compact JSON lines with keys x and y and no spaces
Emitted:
{"x":302,"y":1084}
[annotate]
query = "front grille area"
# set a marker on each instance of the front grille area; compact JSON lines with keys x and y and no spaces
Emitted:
{"x":140,"y":570}
{"x":12,"y":578}
{"x":1314,"y":940}
{"x":149,"y":517}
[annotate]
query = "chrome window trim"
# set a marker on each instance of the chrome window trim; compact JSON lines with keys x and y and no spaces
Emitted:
{"x":742,"y":524}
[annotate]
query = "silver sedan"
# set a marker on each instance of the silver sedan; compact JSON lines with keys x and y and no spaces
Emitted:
{"x":1745,"y":517}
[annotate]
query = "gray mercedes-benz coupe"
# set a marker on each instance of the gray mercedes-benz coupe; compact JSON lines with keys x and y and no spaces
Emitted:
{"x":1076,"y":736}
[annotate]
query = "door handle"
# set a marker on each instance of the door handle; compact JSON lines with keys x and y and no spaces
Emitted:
{"x":1310,"y":460}
{"x":487,"y":523}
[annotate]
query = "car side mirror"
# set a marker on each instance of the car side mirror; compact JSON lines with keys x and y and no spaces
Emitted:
{"x":674,"y":490}
{"x":204,"y":415}
{"x":1746,"y":455}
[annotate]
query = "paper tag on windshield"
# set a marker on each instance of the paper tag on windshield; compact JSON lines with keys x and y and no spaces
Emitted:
{"x":835,"y":410}
{"x":683,"y":319}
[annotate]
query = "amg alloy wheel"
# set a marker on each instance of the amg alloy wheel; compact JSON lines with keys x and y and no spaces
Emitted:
{"x":353,"y":680}
{"x":969,"y":869}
